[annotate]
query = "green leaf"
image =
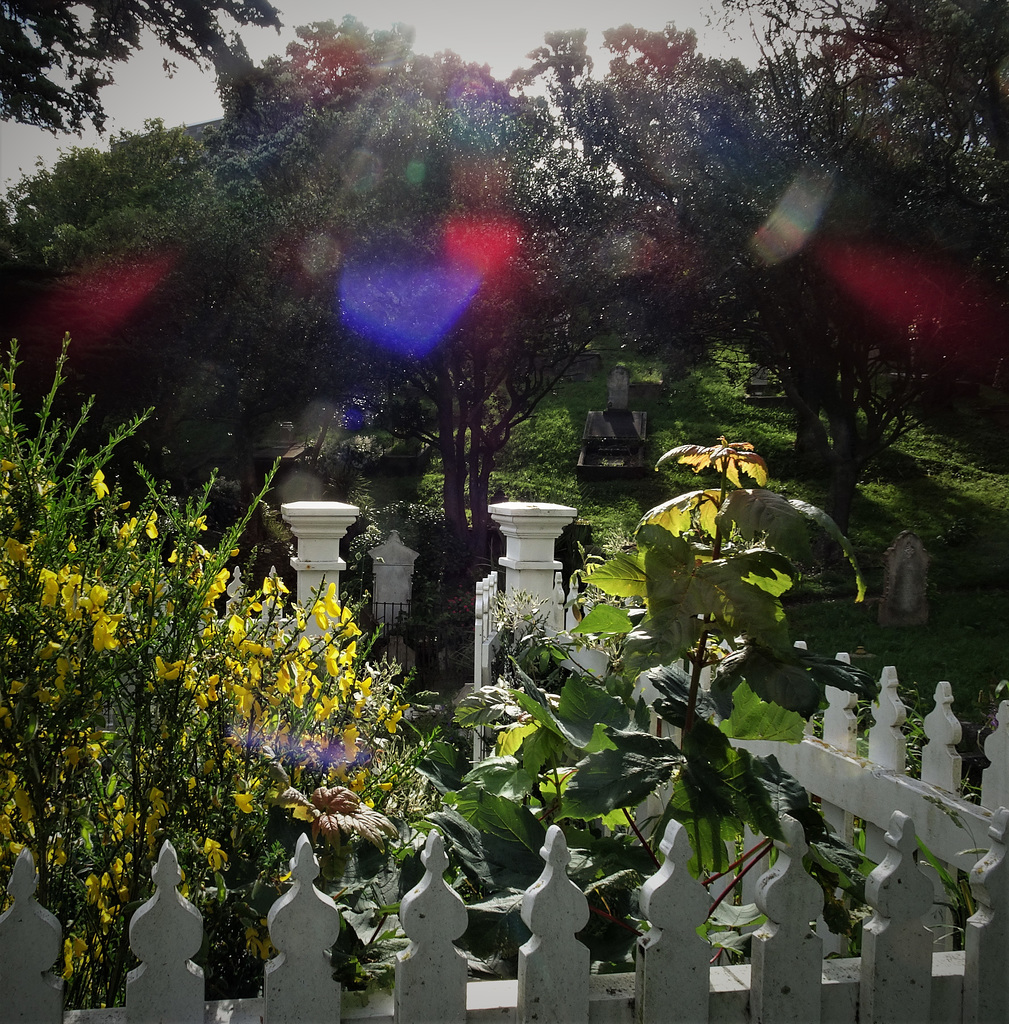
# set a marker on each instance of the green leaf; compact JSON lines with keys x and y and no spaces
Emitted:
{"x":541,"y":748}
{"x":770,"y":676}
{"x":621,"y":576}
{"x":674,"y":515}
{"x":500,"y":817}
{"x":831,"y":529}
{"x":786,"y":793}
{"x":760,"y":514}
{"x":444,"y":765}
{"x":793,"y":678}
{"x":486,"y":860}
{"x":735,"y":917}
{"x":756,"y":719}
{"x":501,"y":776}
{"x":584,"y":708}
{"x":717,"y":790}
{"x":622,"y":776}
{"x":675,"y":691}
{"x":605,"y":619}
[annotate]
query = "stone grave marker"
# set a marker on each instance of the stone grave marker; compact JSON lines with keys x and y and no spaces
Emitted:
{"x":393,"y":571}
{"x":905,"y":576}
{"x":617,"y":386}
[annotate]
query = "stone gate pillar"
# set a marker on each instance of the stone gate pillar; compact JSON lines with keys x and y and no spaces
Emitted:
{"x":530,"y":530}
{"x":319,"y":527}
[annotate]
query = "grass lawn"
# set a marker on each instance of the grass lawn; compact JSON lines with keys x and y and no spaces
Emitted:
{"x":947,"y":480}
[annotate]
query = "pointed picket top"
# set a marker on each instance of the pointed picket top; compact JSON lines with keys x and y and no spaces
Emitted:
{"x":840,"y":720}
{"x":164,"y":933}
{"x":887,"y":746}
{"x":896,"y":981}
{"x":985,"y":994}
{"x":431,"y":973}
{"x":30,"y":941}
{"x":304,"y":923}
{"x":995,"y":778}
{"x":672,"y":961}
{"x":235,"y":591}
{"x":940,"y":763}
{"x":553,"y":975}
{"x":786,"y":953}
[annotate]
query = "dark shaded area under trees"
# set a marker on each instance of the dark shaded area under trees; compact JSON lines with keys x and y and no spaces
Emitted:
{"x":837,"y":213}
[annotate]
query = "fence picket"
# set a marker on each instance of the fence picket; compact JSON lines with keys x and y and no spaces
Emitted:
{"x":553,"y":974}
{"x":672,"y":961}
{"x":940,"y":763}
{"x":896,"y":982}
{"x":29,"y":943}
{"x":304,"y":923}
{"x":431,"y":973}
{"x":887,"y":745}
{"x":786,"y":953}
{"x":995,"y":778}
{"x":164,"y":933}
{"x":986,"y":995}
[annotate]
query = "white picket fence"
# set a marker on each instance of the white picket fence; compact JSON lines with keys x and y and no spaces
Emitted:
{"x":898,"y":978}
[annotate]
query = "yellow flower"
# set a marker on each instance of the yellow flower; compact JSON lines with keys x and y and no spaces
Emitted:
{"x":216,"y":857}
{"x":168,"y":671}
{"x":325,"y":707}
{"x":150,"y":527}
{"x":16,"y":551}
{"x":98,"y":483}
{"x":243,"y":802}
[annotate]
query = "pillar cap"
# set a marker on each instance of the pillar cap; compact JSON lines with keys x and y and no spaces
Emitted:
{"x":319,"y":518}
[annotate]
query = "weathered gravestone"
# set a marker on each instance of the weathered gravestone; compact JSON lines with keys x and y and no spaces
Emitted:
{"x":617,"y":385}
{"x":393,"y":569}
{"x":905,"y":576}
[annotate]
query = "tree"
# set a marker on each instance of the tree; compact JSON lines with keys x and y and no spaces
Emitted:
{"x":441,"y":209}
{"x":56,"y":58}
{"x":826,"y":213}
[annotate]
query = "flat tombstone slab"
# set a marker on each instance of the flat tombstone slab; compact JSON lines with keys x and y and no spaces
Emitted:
{"x":905,"y":576}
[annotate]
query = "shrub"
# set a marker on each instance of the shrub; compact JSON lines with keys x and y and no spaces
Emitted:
{"x":141,"y":701}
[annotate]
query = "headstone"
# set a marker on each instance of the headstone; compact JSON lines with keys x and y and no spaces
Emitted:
{"x":393,"y":568}
{"x":906,"y":573}
{"x":617,"y":385}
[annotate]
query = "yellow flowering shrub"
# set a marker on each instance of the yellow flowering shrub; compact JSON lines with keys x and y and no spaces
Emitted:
{"x":140,"y":701}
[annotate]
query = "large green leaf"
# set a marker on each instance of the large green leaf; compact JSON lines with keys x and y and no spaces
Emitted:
{"x":585,"y":706}
{"x":772,"y":676}
{"x":671,"y":706}
{"x":605,"y":619}
{"x":622,"y":776}
{"x":760,"y":514}
{"x":489,"y":862}
{"x":717,"y":790}
{"x":831,"y":529}
{"x":793,"y":678}
{"x":444,"y":765}
{"x":495,"y":930}
{"x":786,"y":793}
{"x":501,"y":776}
{"x":622,"y":576}
{"x":500,"y":817}
{"x":675,"y":515}
{"x":756,"y":719}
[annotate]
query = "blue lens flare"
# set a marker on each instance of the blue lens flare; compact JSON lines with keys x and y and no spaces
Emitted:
{"x":405,"y":307}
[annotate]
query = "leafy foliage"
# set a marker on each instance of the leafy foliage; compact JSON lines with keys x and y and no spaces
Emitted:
{"x":144,"y":700}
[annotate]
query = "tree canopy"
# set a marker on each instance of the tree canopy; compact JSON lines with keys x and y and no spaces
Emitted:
{"x":55,"y":58}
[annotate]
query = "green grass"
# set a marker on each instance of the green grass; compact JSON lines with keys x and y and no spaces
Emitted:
{"x":947,"y":480}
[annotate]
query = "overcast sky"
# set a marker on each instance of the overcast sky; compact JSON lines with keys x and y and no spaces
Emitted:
{"x":499,"y":34}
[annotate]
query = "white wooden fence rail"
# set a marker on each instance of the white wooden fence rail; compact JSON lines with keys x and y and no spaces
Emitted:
{"x":898,"y":978}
